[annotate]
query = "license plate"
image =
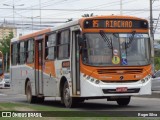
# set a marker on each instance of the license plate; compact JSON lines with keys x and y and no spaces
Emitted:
{"x":121,"y":89}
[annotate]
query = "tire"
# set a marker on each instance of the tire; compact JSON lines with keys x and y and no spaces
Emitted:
{"x":67,"y":99}
{"x":40,"y":99}
{"x":30,"y":97}
{"x":123,"y":101}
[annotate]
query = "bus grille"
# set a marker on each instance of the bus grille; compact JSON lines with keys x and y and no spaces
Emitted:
{"x":119,"y":81}
{"x":119,"y":71}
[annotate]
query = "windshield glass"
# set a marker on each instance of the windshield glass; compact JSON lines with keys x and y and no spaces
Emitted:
{"x":119,"y":49}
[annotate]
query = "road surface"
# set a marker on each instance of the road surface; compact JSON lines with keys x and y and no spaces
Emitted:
{"x":136,"y":104}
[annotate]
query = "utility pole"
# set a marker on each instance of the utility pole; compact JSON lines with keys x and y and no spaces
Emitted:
{"x":151,"y":21}
{"x":40,"y":10}
{"x":121,"y":8}
{"x":13,"y":6}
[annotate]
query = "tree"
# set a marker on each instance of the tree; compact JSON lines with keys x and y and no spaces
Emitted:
{"x":5,"y":46}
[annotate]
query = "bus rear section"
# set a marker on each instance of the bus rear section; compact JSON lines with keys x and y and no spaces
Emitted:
{"x":91,"y":58}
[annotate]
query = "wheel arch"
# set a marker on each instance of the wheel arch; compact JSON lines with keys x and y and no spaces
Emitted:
{"x":62,"y":81}
{"x":26,"y":81}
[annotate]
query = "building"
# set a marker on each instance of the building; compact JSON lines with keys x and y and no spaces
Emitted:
{"x":5,"y":30}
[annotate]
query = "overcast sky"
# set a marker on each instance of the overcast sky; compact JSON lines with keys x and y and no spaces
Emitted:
{"x":55,"y":10}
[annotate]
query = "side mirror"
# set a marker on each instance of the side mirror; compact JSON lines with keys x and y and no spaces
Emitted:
{"x":80,"y":40}
{"x":153,"y":76}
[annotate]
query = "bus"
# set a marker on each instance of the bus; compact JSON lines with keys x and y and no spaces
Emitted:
{"x":100,"y":57}
{"x":1,"y":65}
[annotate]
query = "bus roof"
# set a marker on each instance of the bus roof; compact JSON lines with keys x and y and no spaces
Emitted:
{"x":35,"y":34}
{"x":113,"y":17}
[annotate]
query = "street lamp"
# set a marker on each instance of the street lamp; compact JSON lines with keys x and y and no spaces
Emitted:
{"x":13,"y":6}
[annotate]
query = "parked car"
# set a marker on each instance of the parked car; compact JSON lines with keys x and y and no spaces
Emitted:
{"x":5,"y":82}
{"x":156,"y":81}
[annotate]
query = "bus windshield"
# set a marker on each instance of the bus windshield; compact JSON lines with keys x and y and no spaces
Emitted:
{"x":127,"y":49}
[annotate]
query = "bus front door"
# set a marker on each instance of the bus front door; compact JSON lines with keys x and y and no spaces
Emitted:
{"x":75,"y":63}
{"x":39,"y":66}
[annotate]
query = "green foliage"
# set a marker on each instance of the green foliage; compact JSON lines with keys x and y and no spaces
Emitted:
{"x":157,"y":59}
{"x":5,"y":48}
{"x":157,"y":63}
{"x":5,"y":44}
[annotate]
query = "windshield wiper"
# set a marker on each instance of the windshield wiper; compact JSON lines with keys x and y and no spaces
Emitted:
{"x":131,"y":38}
{"x":106,"y":39}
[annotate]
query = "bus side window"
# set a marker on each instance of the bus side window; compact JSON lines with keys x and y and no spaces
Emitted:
{"x":46,"y":47}
{"x":14,"y":53}
{"x":50,"y":47}
{"x":63,"y":45}
{"x":18,"y":52}
{"x":22,"y":55}
{"x":26,"y":50}
{"x":30,"y":50}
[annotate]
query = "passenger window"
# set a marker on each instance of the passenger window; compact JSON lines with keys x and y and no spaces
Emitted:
{"x":50,"y":47}
{"x":30,"y":51}
{"x":22,"y":53}
{"x":63,"y":45}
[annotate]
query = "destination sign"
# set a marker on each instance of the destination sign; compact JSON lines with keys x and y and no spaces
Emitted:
{"x":118,"y":24}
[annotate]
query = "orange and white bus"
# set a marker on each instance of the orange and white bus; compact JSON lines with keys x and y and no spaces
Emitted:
{"x":91,"y":58}
{"x":1,"y":65}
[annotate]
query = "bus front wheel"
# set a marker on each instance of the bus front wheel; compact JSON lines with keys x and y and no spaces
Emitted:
{"x":123,"y":101}
{"x":30,"y":97}
{"x":67,"y":99}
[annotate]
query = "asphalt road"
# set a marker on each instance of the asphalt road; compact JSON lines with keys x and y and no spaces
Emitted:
{"x":136,"y":104}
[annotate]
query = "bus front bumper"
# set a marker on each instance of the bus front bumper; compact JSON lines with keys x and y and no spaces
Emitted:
{"x":92,"y":89}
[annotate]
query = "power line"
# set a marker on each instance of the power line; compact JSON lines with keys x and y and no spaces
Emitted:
{"x":51,"y":9}
{"x":108,"y":4}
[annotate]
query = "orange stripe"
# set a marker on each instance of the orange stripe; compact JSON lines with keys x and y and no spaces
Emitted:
{"x":117,"y":30}
{"x":32,"y":35}
{"x":49,"y":68}
{"x":92,"y":71}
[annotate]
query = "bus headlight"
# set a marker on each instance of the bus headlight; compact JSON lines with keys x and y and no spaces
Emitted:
{"x":97,"y":81}
{"x":146,"y":79}
{"x":88,"y":77}
{"x":92,"y":80}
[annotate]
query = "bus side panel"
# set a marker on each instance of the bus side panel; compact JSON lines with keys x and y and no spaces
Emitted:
{"x":28,"y":74}
{"x":16,"y":80}
{"x":63,"y":72}
{"x":49,"y":79}
{"x":19,"y":75}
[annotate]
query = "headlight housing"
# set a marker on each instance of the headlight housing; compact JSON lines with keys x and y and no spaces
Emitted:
{"x":145,"y":79}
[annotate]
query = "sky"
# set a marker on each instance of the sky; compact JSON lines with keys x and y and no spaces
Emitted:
{"x":28,"y":15}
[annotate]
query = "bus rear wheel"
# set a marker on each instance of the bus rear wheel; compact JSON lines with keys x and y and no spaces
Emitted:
{"x":30,"y":97}
{"x":40,"y":99}
{"x":67,"y":99}
{"x":123,"y":101}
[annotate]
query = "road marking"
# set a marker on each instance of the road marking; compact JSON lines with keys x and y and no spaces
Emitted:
{"x":3,"y":95}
